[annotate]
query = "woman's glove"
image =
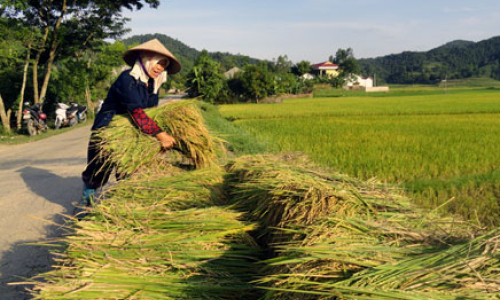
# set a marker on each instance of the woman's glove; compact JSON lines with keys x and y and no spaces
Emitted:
{"x":166,"y":141}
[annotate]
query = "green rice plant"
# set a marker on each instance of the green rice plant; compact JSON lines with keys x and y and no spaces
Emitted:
{"x":464,"y":102}
{"x":164,"y":233}
{"x":130,"y":150}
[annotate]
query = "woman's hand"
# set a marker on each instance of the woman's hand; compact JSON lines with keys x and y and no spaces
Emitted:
{"x":166,"y":141}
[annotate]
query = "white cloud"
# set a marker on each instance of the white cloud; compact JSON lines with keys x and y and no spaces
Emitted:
{"x":464,"y":9}
{"x":336,"y":25}
{"x":172,"y":15}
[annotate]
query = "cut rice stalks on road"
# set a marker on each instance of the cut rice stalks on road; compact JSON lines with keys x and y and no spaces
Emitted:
{"x":160,"y":238}
{"x":145,"y":195}
{"x":279,"y":194}
{"x":274,"y":228}
{"x":326,"y":228}
{"x":465,"y":271}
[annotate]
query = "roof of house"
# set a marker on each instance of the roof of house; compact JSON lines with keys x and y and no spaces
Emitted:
{"x":325,"y":66}
{"x":230,"y":73}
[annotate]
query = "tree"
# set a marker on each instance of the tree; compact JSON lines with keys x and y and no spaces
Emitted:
{"x":285,"y":83}
{"x":344,"y":58}
{"x":205,"y":79}
{"x":495,"y":70}
{"x":282,"y":64}
{"x":15,"y":47}
{"x":78,"y":78}
{"x":302,"y":68}
{"x":29,"y":43}
{"x":65,"y":23}
{"x":257,"y":81}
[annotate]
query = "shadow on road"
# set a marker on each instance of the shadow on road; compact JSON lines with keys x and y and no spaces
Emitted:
{"x":21,"y":264}
{"x":23,"y":261}
{"x":52,"y":187}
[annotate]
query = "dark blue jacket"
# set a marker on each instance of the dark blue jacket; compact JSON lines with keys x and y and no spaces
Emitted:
{"x":125,"y":95}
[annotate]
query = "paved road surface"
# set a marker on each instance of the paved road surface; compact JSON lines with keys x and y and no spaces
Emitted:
{"x":169,"y":98}
{"x":38,"y":181}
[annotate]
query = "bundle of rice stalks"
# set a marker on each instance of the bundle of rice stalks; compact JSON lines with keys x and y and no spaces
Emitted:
{"x":157,"y":238}
{"x":130,"y":150}
{"x":328,"y":227}
{"x":276,"y":194}
{"x":146,"y":195}
{"x":281,"y":194}
{"x":189,"y":254}
{"x":465,"y":271}
{"x":336,"y":249}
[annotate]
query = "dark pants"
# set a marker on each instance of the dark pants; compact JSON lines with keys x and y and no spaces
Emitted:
{"x":98,"y":167}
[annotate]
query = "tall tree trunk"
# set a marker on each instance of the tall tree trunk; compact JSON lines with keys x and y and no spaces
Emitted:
{"x":23,"y":87}
{"x":90,"y":105}
{"x":48,"y":72}
{"x":35,"y":64}
{"x":4,"y":116}
{"x":52,"y":53}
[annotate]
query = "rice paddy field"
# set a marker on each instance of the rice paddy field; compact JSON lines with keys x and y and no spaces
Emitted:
{"x":439,"y":145}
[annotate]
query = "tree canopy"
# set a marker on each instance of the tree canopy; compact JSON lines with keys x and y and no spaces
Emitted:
{"x":205,"y":78}
{"x":66,"y":27}
{"x":60,"y":36}
{"x":346,"y":61}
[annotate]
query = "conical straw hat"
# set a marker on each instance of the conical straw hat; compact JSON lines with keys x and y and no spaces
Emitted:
{"x":155,"y":46}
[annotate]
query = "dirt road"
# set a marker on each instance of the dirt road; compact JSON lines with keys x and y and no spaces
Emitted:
{"x":38,"y":181}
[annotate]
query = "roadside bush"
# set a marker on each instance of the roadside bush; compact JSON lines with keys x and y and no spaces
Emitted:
{"x":206,"y":79}
{"x":257,"y":82}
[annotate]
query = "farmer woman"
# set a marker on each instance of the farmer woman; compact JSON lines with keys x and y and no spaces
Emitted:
{"x":133,"y":91}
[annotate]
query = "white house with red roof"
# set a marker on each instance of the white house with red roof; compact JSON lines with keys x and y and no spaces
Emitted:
{"x":326,"y":68}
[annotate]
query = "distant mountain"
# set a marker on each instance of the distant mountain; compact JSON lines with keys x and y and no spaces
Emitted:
{"x":187,"y":55}
{"x":456,"y":44}
{"x":454,"y":60}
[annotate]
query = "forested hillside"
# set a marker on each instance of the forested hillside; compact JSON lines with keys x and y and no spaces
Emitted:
{"x":454,"y":60}
{"x":187,"y":55}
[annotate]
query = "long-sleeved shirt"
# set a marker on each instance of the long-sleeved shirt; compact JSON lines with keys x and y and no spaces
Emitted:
{"x":128,"y":95}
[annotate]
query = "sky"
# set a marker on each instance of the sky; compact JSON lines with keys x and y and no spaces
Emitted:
{"x":313,"y":30}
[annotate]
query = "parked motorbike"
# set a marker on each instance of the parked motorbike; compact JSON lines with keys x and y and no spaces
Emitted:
{"x":81,"y":112}
{"x":34,"y":118}
{"x":64,"y":117}
{"x":69,"y":115}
